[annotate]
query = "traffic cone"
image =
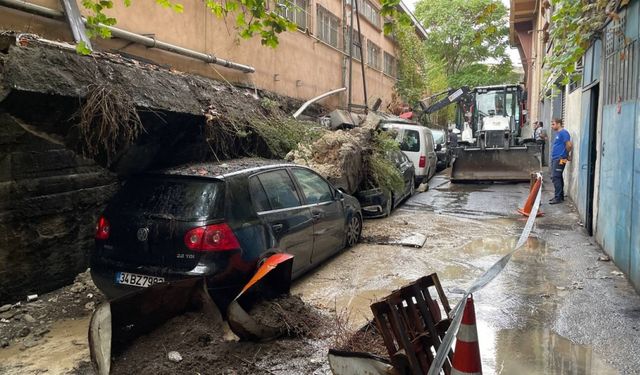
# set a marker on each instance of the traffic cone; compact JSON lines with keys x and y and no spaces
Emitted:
{"x":466,"y":358}
{"x":526,"y":210}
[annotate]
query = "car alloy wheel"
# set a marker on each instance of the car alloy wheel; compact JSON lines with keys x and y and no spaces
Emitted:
{"x":354,"y":230}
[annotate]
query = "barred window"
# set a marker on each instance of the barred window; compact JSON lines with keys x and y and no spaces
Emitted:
{"x":373,"y":55}
{"x":356,"y":44}
{"x":389,"y":65}
{"x":295,"y":11}
{"x":327,"y":27}
{"x":369,"y":11}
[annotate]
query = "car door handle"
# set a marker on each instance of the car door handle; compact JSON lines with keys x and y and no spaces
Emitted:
{"x":316,"y":214}
{"x":277,"y":227}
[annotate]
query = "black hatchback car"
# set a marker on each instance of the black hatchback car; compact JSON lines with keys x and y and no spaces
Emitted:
{"x":219,"y":221}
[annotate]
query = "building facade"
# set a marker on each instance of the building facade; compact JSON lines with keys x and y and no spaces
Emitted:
{"x":602,"y":113}
{"x":308,"y":62}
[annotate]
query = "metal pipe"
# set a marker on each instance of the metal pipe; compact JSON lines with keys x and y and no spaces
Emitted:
{"x":130,"y":36}
{"x":308,"y":102}
{"x":351,"y":55}
{"x":364,"y":80}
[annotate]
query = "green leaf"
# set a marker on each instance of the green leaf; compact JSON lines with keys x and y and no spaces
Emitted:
{"x":82,"y":48}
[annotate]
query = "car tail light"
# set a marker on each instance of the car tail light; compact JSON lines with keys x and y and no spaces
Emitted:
{"x":423,"y":161}
{"x":103,"y":228}
{"x":216,"y":237}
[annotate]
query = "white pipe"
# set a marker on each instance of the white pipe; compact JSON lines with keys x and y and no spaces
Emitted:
{"x":132,"y":37}
{"x":308,"y":102}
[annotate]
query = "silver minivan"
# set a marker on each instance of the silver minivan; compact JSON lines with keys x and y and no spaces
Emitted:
{"x":417,"y":143}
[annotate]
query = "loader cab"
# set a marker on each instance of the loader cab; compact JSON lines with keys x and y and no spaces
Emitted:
{"x":497,"y":108}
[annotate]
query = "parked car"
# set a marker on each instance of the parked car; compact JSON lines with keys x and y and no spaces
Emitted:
{"x":416,"y":141}
{"x":377,"y":202}
{"x":442,"y":151}
{"x":220,"y":222}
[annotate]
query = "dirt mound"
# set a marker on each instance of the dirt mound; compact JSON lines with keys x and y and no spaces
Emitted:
{"x":292,"y":315}
{"x":25,"y":323}
{"x":203,"y":349}
{"x":339,"y":156}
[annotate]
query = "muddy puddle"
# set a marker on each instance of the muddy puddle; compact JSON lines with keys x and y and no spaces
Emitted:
{"x":58,"y":352}
{"x":536,"y":351}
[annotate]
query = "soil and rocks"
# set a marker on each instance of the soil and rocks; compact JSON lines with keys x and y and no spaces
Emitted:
{"x":195,"y":343}
{"x":26,"y":323}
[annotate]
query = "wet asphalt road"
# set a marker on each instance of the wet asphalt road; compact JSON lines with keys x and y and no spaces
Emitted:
{"x":555,"y":309}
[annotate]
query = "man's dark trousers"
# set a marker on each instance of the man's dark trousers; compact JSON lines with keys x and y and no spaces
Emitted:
{"x":556,"y":177}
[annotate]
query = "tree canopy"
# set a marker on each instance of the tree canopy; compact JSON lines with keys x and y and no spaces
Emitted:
{"x":464,"y":32}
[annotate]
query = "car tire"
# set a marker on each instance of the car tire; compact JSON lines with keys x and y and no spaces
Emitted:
{"x":389,"y":207}
{"x":413,"y":188}
{"x":354,"y":230}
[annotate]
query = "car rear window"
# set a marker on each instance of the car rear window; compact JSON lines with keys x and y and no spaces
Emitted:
{"x":410,"y":141}
{"x":181,"y":198}
{"x":438,"y":136}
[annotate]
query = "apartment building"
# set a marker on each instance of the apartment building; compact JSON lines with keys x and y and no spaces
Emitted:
{"x":308,"y":62}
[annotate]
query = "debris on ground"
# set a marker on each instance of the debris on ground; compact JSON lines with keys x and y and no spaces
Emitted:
{"x":604,"y":258}
{"x":26,"y":323}
{"x":202,"y":346}
{"x":347,"y":157}
{"x":365,"y":340}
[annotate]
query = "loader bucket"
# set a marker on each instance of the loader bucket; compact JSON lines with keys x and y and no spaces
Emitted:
{"x":117,"y":323}
{"x":514,"y":164}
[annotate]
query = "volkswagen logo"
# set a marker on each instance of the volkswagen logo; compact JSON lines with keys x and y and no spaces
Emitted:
{"x":143,"y":234}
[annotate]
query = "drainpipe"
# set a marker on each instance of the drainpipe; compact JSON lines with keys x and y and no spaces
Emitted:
{"x":306,"y":104}
{"x":132,"y":37}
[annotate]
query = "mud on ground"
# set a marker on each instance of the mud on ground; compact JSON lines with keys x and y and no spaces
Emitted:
{"x":26,"y":323}
{"x":204,"y":346}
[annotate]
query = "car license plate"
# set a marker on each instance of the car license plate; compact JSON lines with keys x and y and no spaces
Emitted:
{"x":136,"y":279}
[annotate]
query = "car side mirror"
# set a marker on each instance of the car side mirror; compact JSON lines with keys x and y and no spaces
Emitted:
{"x":438,"y":147}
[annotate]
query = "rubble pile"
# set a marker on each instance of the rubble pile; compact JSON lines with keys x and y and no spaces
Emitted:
{"x":339,"y":156}
{"x":26,"y":323}
{"x":194,"y":343}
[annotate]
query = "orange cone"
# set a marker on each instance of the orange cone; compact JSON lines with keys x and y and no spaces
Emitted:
{"x":526,"y":210}
{"x":466,"y":358}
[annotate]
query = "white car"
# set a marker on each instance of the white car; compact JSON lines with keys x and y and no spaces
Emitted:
{"x":416,"y":142}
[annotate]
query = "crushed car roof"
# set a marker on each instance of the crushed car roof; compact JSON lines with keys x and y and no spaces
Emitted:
{"x":220,"y":169}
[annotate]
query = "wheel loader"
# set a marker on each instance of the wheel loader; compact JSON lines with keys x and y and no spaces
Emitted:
{"x":491,"y":147}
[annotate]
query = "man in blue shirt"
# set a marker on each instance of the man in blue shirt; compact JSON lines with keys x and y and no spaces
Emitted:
{"x":560,"y":155}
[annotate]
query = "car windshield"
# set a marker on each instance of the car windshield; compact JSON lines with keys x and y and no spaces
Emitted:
{"x":180,"y":198}
{"x":438,"y":136}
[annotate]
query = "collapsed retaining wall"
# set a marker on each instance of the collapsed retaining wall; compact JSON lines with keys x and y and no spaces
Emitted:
{"x":50,"y":201}
{"x":50,"y":196}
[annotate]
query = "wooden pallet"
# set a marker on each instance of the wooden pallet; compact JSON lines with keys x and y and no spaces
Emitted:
{"x":413,"y":323}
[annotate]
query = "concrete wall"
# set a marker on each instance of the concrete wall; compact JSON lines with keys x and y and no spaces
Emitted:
{"x":301,"y":67}
{"x":573,"y":124}
{"x":51,"y":199}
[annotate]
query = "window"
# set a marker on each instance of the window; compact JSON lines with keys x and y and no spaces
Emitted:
{"x":410,"y":141}
{"x":295,"y":11}
{"x":369,"y":11}
{"x":328,"y":26}
{"x":279,"y":190}
{"x":356,"y":44}
{"x":315,"y":189}
{"x":258,"y":195}
{"x":389,"y":65}
{"x":373,"y":55}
